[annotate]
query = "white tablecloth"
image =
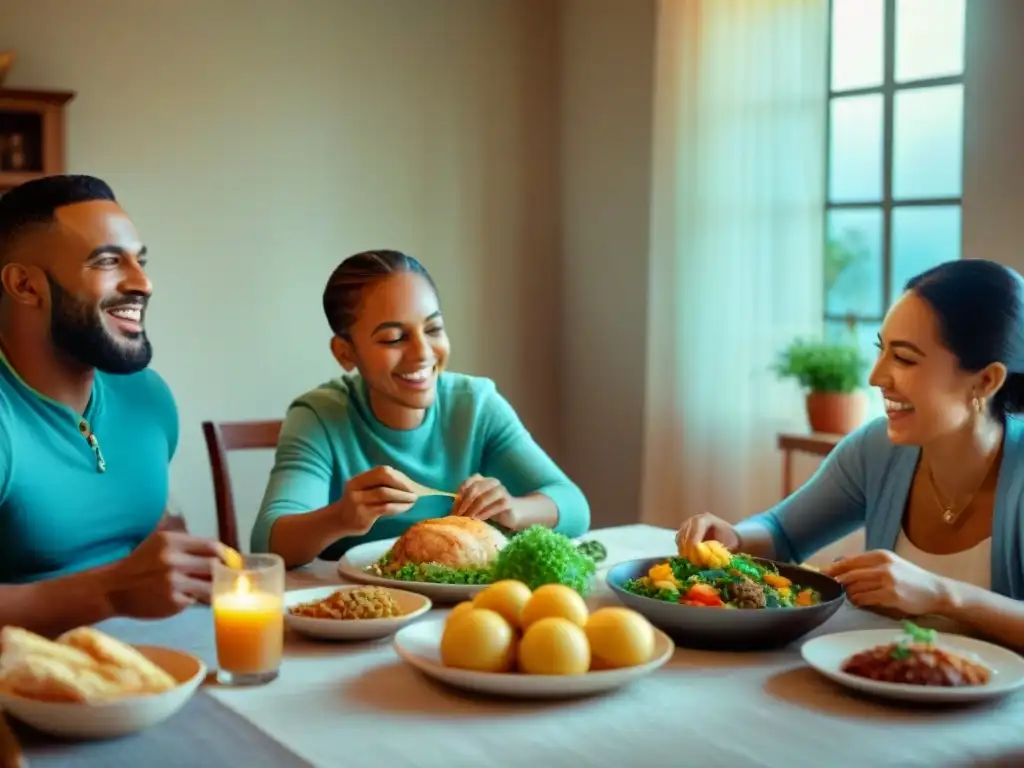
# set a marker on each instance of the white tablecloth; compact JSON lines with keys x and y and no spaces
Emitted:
{"x":360,"y":705}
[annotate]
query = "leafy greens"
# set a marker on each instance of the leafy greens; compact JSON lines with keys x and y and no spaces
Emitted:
{"x":535,"y":556}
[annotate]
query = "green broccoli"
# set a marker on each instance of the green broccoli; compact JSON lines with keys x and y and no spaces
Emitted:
{"x":540,"y":556}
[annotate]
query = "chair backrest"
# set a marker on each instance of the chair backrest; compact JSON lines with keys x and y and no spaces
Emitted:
{"x":225,"y":436}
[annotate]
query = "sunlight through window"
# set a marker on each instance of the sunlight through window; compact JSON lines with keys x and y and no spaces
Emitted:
{"x":895,"y":154}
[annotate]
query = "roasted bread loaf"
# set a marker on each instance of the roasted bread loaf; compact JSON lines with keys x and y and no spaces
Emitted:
{"x":83,"y":665}
{"x":458,"y":542}
{"x":125,"y":665}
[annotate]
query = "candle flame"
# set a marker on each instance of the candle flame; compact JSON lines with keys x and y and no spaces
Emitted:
{"x":242,"y":586}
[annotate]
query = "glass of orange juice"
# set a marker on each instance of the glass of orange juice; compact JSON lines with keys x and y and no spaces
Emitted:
{"x":248,"y":619}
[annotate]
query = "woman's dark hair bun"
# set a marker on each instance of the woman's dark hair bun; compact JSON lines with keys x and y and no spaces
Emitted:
{"x":980,"y":308}
{"x":345,"y":285}
{"x":1010,"y":398}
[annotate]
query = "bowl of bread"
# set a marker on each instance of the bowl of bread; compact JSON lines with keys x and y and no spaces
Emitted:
{"x":89,"y":685}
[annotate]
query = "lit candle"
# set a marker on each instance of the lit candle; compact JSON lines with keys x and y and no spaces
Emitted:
{"x":248,"y":621}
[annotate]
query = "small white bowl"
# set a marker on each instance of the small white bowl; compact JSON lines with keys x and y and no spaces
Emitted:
{"x":413,"y":606}
{"x":121,"y":717}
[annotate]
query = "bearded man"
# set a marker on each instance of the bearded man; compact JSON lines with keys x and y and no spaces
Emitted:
{"x":87,"y":429}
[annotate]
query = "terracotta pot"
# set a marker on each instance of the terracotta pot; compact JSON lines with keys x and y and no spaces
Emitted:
{"x":836,"y":413}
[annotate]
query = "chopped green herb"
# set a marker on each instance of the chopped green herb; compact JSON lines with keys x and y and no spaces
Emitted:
{"x":595,"y":550}
{"x":919,"y":634}
{"x":900,"y":652}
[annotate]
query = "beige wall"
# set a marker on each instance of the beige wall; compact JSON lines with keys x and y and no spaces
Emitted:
{"x":607,"y":73}
{"x":993,"y":224}
{"x":257,"y":144}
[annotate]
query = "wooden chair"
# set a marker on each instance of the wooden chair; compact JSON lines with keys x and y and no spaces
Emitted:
{"x":225,"y":436}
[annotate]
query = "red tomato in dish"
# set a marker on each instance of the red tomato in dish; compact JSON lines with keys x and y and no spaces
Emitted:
{"x":703,"y":594}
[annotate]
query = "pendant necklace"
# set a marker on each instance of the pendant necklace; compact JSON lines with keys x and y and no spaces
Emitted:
{"x":949,"y":514}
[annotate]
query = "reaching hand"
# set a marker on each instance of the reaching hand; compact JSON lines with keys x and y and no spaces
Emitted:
{"x":166,"y":573}
{"x":883,"y":580}
{"x":705,"y":527}
{"x":379,"y":492}
{"x":483,"y":498}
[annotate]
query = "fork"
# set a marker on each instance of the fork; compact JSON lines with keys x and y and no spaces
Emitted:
{"x":422,"y":490}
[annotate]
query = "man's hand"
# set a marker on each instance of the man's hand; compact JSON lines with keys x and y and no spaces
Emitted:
{"x":165,"y":574}
{"x":171,"y":522}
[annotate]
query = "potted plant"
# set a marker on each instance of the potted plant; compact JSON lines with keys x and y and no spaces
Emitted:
{"x":831,"y":374}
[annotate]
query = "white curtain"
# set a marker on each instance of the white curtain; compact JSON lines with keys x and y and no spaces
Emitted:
{"x":736,"y":246}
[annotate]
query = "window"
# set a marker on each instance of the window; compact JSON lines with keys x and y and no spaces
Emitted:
{"x":895,"y":154}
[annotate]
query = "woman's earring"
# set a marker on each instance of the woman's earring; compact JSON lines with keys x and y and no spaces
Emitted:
{"x":978,"y":404}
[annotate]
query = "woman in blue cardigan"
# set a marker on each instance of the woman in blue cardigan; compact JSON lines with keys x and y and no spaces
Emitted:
{"x":938,"y":483}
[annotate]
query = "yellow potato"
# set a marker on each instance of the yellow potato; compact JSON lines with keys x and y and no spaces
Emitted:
{"x":460,"y":609}
{"x":507,"y":597}
{"x":479,"y":640}
{"x":554,"y":646}
{"x":554,"y":600}
{"x":619,"y":637}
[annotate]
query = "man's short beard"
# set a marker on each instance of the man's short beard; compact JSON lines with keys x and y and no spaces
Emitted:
{"x":77,"y":330}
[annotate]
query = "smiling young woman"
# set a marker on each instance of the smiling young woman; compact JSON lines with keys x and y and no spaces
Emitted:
{"x":353,"y":451}
{"x":938,"y":483}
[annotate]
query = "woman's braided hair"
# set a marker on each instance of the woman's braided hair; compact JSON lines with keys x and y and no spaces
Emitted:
{"x":345,"y":286}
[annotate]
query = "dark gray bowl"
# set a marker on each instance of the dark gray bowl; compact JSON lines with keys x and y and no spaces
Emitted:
{"x":736,"y":630}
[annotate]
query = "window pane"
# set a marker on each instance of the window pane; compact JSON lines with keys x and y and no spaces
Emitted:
{"x":922,"y":236}
{"x":929,"y":39}
{"x":855,"y":149}
{"x":865,"y":336}
{"x":853,"y":262}
{"x":928,"y":147}
{"x":857,"y":42}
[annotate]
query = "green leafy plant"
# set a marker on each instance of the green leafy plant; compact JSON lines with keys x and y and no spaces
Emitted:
{"x":842,"y":253}
{"x":822,"y":366}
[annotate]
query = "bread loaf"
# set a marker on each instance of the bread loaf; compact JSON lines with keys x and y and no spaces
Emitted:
{"x":83,"y":665}
{"x":458,"y":542}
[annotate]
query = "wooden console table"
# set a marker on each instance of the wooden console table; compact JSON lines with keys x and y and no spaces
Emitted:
{"x":814,"y":444}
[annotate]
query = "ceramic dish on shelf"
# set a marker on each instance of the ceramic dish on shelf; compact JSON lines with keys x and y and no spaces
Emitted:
{"x":6,"y":62}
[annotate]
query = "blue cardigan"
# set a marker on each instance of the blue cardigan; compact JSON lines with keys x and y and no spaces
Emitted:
{"x":866,"y":480}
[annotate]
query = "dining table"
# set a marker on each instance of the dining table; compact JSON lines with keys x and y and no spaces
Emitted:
{"x":357,"y":704}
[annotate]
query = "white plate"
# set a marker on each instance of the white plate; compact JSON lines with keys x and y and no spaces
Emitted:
{"x":352,"y":565}
{"x":412,"y":604}
{"x":828,"y":652}
{"x":419,"y":644}
{"x":112,"y":719}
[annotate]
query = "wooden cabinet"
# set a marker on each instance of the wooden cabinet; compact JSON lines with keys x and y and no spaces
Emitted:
{"x":32,"y":134}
